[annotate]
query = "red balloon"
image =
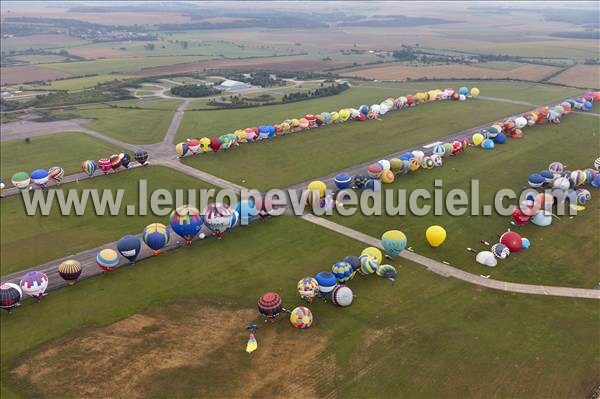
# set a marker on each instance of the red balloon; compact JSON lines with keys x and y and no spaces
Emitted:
{"x":519,"y":217}
{"x":512,"y":240}
{"x":215,"y":144}
{"x":270,"y":304}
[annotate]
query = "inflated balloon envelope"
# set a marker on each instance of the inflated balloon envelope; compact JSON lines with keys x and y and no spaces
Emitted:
{"x":542,"y":218}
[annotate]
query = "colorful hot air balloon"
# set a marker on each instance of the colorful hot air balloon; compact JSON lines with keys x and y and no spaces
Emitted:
{"x":353,"y":261}
{"x":301,"y":317}
{"x":104,"y":165}
{"x":40,"y":178}
{"x":34,"y":284}
{"x":125,"y":159}
{"x":393,"y":242}
{"x":375,"y":252}
{"x":387,"y":271}
{"x":217,"y":218}
{"x":141,"y":156}
{"x":21,"y":180}
{"x":56,"y":174}
{"x":70,"y":270}
{"x":129,"y":247}
{"x":343,"y":181}
{"x":327,"y":282}
{"x":342,"y":296}
{"x":308,"y":288}
{"x":215,"y":144}
{"x":270,"y":305}
{"x":181,"y":149}
{"x":10,"y":296}
{"x":107,"y":259}
{"x":156,"y":236}
{"x":500,"y":251}
{"x":190,"y":144}
{"x":115,"y":162}
{"x":186,"y":222}
{"x":342,"y":271}
{"x":368,"y":264}
{"x":512,"y":240}
{"x":88,"y":167}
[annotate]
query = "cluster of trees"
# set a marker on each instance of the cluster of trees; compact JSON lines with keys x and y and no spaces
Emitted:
{"x":394,"y":21}
{"x":263,"y":79}
{"x":194,"y":91}
{"x":324,"y":91}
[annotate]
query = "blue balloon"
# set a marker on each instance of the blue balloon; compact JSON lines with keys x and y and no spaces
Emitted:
{"x":373,"y":185}
{"x":39,"y":174}
{"x":525,"y":243}
{"x":129,"y":247}
{"x":272,"y":131}
{"x":364,"y":109}
{"x":488,"y":144}
{"x":596,"y":181}
{"x":500,"y":138}
{"x":587,"y":105}
{"x":353,"y":261}
{"x":343,"y":181}
{"x":547,"y":175}
{"x":327,"y":282}
{"x":247,"y":210}
{"x":463,"y":90}
{"x":263,"y":132}
{"x":407,"y":156}
{"x":235,"y":218}
{"x":535,"y":180}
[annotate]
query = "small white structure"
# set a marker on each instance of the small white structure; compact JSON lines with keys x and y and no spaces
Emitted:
{"x":232,"y":85}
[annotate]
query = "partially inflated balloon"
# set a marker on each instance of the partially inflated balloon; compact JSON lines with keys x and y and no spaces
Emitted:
{"x":301,"y":317}
{"x":156,"y":236}
{"x":474,"y":92}
{"x":181,"y":149}
{"x":375,"y":252}
{"x":436,"y":235}
{"x":129,"y":247}
{"x":477,"y":139}
{"x":186,"y":222}
{"x":88,"y":167}
{"x":56,"y":174}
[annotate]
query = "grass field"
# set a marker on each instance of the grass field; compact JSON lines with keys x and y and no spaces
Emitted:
{"x":54,"y":236}
{"x":81,"y":83}
{"x":66,"y":150}
{"x":40,"y":59}
{"x":424,"y":336}
{"x":302,"y":156}
{"x":587,"y":76}
{"x":107,"y":66}
{"x":137,"y":126}
{"x":550,"y":260}
{"x":21,"y":43}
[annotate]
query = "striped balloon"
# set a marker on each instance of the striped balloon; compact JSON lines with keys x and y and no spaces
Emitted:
{"x":56,"y":173}
{"x":107,"y":259}
{"x":88,"y":167}
{"x":301,"y":317}
{"x":70,"y":270}
{"x":342,"y":271}
{"x":368,"y":264}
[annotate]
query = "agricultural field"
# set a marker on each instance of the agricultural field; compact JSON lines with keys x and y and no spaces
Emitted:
{"x":55,"y":236}
{"x":145,"y":125}
{"x":47,"y":42}
{"x":422,"y":323}
{"x":66,"y":150}
{"x":40,"y":59}
{"x":549,"y":261}
{"x":298,"y":157}
{"x":81,"y":83}
{"x":402,"y":72}
{"x":587,"y":76}
{"x":29,"y":73}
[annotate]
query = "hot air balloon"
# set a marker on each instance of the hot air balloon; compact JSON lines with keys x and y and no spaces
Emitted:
{"x":308,"y":288}
{"x":342,"y":296}
{"x":393,"y":242}
{"x":368,"y":264}
{"x":374,"y":170}
{"x":435,"y":235}
{"x":343,"y":181}
{"x":270,"y":305}
{"x":125,"y":159}
{"x":141,"y":156}
{"x":301,"y":317}
{"x":56,"y":174}
{"x":486,"y":258}
{"x":373,"y":252}
{"x":247,"y":210}
{"x":181,"y":149}
{"x":512,"y":240}
{"x":186,"y":222}
{"x":215,"y":144}
{"x":327,"y":282}
{"x":115,"y":162}
{"x":156,"y":236}
{"x":342,"y":271}
{"x":107,"y":259}
{"x":88,"y":167}
{"x":500,"y":251}
{"x":104,"y":165}
{"x":21,"y":180}
{"x":353,"y":261}
{"x":10,"y":296}
{"x":217,"y":218}
{"x":129,"y":247}
{"x":316,"y":190}
{"x":387,"y":271}
{"x":34,"y":284}
{"x":40,"y":178}
{"x":190,"y":144}
{"x":70,"y":270}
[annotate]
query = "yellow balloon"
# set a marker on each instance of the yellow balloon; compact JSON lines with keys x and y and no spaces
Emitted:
{"x":317,"y":186}
{"x":436,"y":235}
{"x":477,"y":138}
{"x":414,"y":164}
{"x":344,"y":114}
{"x":374,"y":252}
{"x":205,"y":144}
{"x":241,"y":136}
{"x":387,"y":176}
{"x":474,"y":92}
{"x":396,"y":165}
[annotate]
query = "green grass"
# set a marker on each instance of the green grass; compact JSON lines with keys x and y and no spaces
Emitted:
{"x":111,"y":65}
{"x":40,"y":59}
{"x":81,"y":83}
{"x":435,"y":337}
{"x":561,"y":254}
{"x":137,"y":126}
{"x":66,"y":150}
{"x":22,"y":43}
{"x":50,"y":237}
{"x":298,"y":157}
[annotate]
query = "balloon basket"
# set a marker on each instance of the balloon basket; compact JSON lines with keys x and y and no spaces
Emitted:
{"x":156,"y":251}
